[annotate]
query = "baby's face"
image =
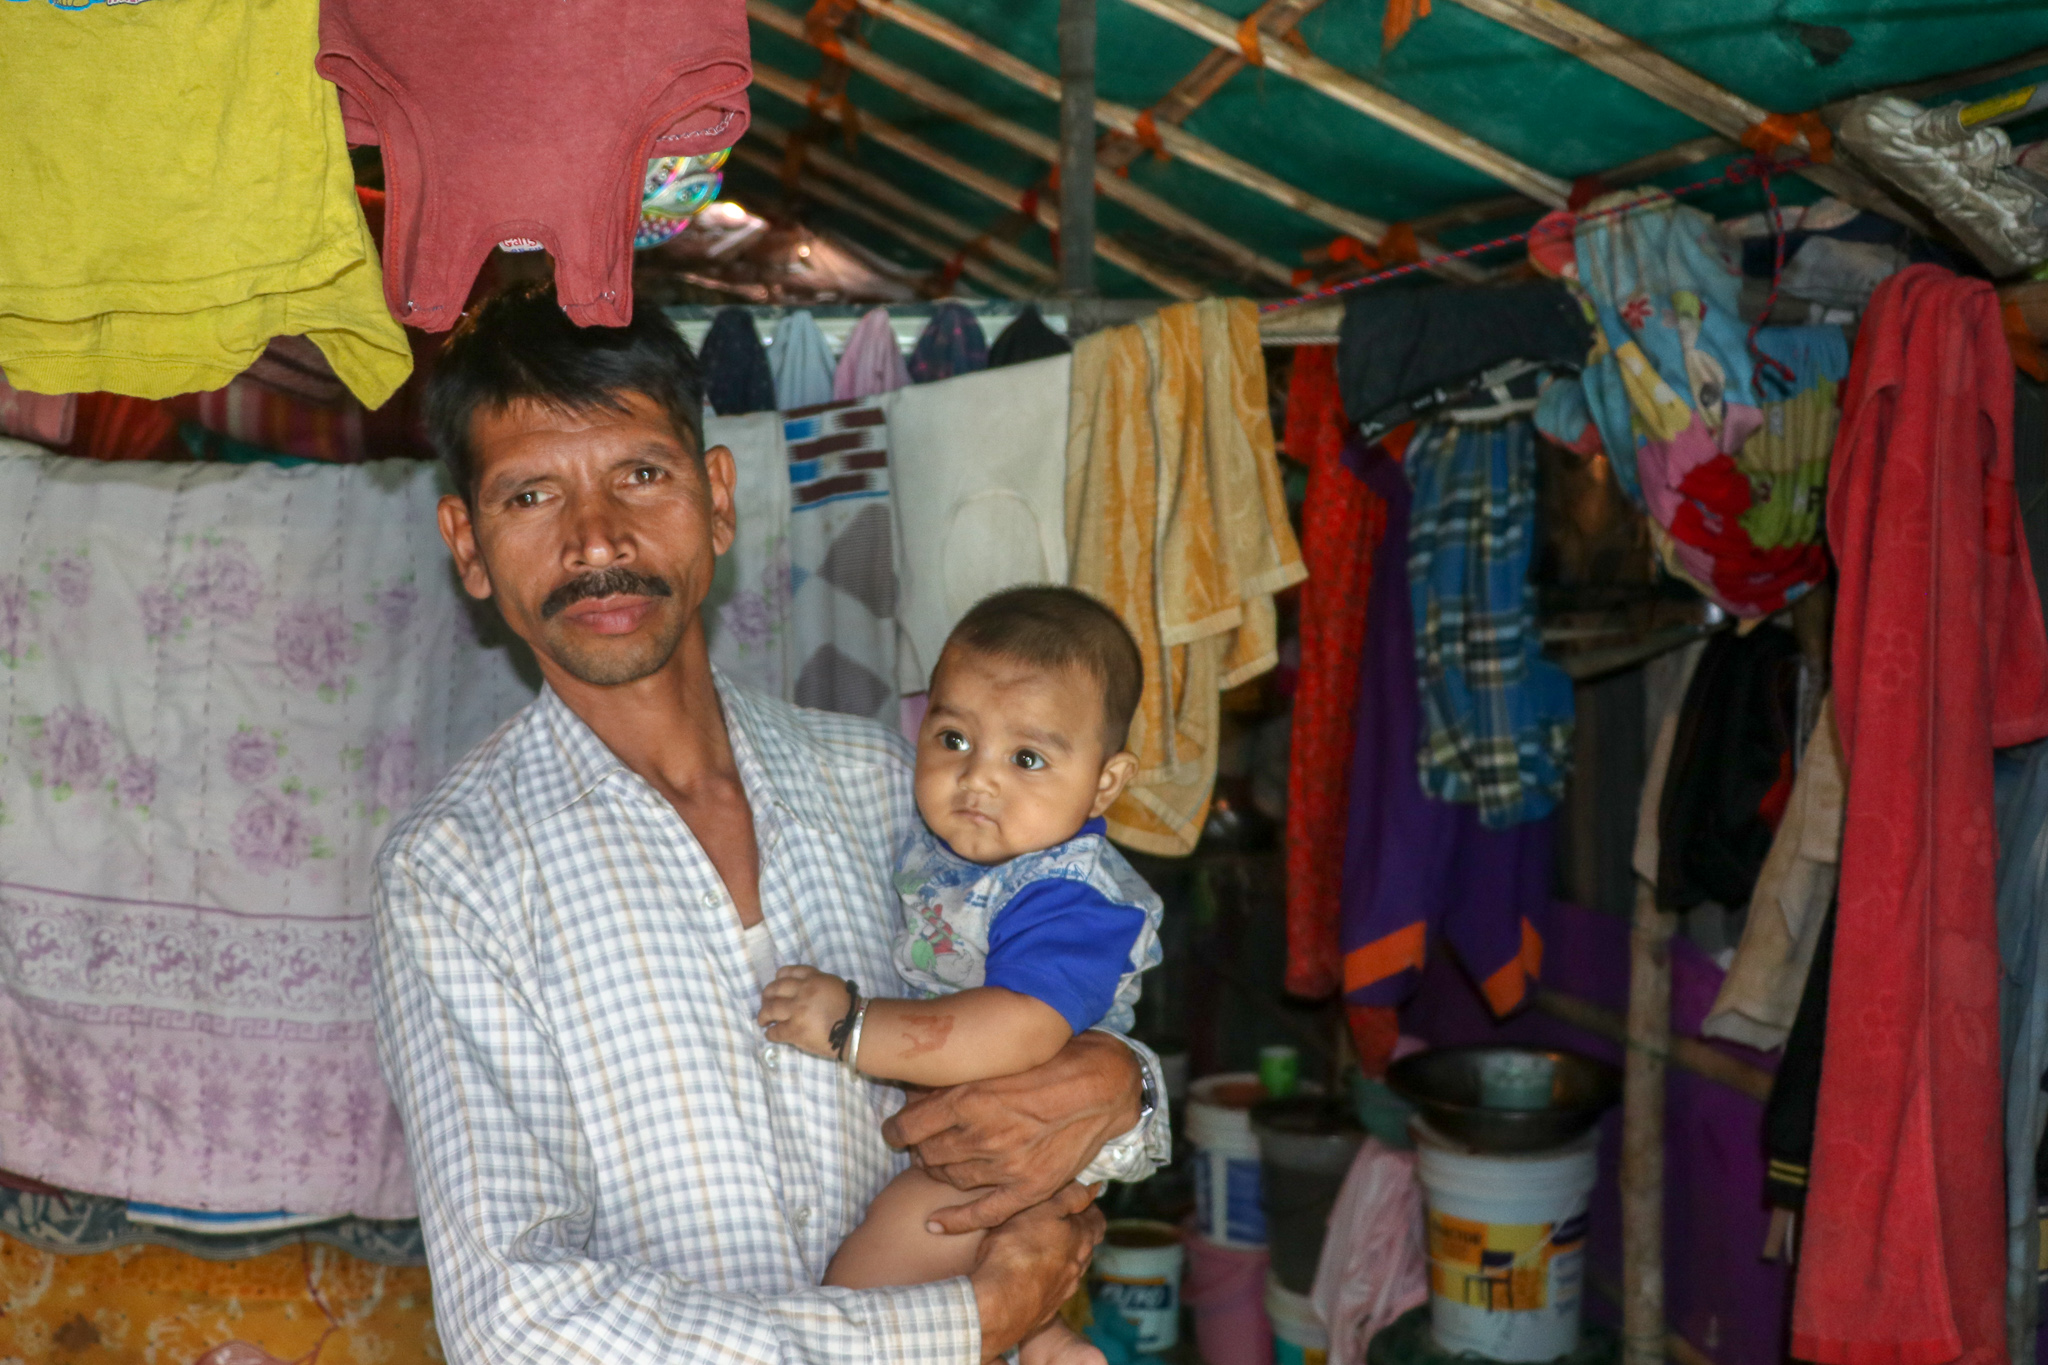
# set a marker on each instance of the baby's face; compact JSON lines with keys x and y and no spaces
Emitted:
{"x":1010,"y":759}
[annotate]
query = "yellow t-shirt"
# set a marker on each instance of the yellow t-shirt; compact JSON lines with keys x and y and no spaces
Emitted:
{"x":174,"y":192}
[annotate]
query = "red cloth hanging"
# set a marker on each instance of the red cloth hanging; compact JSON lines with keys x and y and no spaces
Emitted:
{"x":1342,"y":521}
{"x":1939,"y":654}
{"x":115,"y":426}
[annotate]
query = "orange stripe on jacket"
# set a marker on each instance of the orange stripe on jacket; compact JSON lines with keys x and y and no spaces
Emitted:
{"x":1406,"y":947}
{"x":1508,"y":988}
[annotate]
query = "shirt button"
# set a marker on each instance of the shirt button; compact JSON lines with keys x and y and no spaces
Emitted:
{"x":803,"y":1216}
{"x":710,"y":899}
{"x":768,"y":1059}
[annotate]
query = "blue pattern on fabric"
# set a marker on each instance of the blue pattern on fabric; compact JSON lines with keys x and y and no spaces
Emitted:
{"x":1496,"y":715}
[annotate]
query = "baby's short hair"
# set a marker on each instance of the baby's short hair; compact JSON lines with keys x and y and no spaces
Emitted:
{"x":1047,"y":626}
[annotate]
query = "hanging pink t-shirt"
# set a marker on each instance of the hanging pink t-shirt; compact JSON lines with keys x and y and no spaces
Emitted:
{"x":529,"y":121}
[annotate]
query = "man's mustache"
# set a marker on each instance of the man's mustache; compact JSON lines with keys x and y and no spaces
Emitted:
{"x":610,"y":582}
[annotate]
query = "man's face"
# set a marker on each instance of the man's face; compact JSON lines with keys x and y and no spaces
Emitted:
{"x":596,"y":531}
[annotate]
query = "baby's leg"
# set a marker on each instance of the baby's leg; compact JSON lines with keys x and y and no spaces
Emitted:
{"x":892,"y":1247}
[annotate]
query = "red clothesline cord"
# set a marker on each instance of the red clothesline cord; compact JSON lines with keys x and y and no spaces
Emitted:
{"x":1745,"y":169}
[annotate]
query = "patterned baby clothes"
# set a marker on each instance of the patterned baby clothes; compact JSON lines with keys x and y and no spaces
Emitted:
{"x":951,"y":939}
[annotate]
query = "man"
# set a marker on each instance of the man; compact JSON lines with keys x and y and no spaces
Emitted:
{"x":613,"y":1164}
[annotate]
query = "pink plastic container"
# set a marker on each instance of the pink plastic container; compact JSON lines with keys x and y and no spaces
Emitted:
{"x":1226,"y":1289}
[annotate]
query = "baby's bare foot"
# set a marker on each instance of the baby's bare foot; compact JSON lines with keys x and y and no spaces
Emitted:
{"x":1058,"y":1344}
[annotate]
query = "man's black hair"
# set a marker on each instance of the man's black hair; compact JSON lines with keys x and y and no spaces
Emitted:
{"x":519,"y":344}
{"x":1052,"y":627}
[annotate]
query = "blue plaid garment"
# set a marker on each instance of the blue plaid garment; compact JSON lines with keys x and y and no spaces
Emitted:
{"x":1496,"y":715}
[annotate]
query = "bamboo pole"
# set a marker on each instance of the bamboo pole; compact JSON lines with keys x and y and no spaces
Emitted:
{"x":880,"y":191}
{"x":1075,"y":155}
{"x":1122,"y":118}
{"x":1340,"y":85}
{"x":1642,"y":1131}
{"x":981,"y":182}
{"x":1638,"y":64}
{"x":1695,"y":150}
{"x":1625,"y":176}
{"x":941,"y":100}
{"x":825,"y":193}
{"x":1689,"y":1054}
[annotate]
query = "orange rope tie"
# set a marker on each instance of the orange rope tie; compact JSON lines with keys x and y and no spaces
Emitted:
{"x":1398,"y":18}
{"x":821,"y":27}
{"x":1147,"y":132}
{"x":1775,"y":132}
{"x":1398,"y":246}
{"x":1248,"y":40}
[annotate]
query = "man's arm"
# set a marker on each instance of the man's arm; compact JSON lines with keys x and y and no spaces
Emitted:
{"x":1030,"y":1135}
{"x":505,"y":1185}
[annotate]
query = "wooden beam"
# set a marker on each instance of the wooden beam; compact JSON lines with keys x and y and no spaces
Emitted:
{"x":1695,"y":150}
{"x":1274,"y":18}
{"x":1638,"y":64}
{"x":825,"y":193}
{"x":1622,"y":177}
{"x":1340,"y":85}
{"x":1642,"y":1130}
{"x":1688,"y":1054}
{"x":880,"y":191}
{"x":1922,"y":91}
{"x":1075,"y":155}
{"x":981,"y":182}
{"x":1122,"y":118}
{"x":941,"y":100}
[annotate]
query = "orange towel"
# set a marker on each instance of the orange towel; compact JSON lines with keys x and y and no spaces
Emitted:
{"x":1176,"y":518}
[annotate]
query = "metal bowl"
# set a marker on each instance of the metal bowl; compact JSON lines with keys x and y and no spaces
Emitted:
{"x":1444,"y":1084}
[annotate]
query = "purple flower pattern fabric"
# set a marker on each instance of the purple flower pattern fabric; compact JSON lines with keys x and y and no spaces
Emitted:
{"x":219,"y":686}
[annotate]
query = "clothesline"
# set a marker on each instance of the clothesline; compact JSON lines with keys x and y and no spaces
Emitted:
{"x":1738,"y":172}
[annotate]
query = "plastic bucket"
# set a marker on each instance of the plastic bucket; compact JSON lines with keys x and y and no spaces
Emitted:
{"x":1507,"y":1246}
{"x":1299,"y":1337}
{"x":1226,"y":1161}
{"x":1225,"y":1290}
{"x":1306,"y":1146}
{"x":1137,"y":1273}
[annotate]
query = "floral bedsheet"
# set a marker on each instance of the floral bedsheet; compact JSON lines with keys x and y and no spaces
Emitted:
{"x":218,"y":686}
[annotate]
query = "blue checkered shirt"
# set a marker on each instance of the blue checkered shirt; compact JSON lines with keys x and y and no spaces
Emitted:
{"x":612,"y":1165}
{"x":1497,"y":715}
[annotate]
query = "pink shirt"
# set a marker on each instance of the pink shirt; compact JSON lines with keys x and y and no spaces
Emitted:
{"x":532,"y":120}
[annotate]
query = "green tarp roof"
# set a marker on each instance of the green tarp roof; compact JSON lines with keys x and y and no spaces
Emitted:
{"x":1519,"y":95}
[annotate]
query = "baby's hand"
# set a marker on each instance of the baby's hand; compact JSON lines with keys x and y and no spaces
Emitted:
{"x":801,"y":1005}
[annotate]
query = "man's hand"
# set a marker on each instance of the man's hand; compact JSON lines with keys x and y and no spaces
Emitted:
{"x":1028,"y":1135}
{"x":801,"y":1005}
{"x":1032,"y":1264}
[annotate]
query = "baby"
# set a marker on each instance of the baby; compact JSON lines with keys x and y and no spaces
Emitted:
{"x":1022,"y":926}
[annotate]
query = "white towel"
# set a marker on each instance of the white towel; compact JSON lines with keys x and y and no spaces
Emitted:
{"x":980,"y":469}
{"x":746,"y":613}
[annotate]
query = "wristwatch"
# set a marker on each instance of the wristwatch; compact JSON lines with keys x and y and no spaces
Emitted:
{"x":1148,"y":1097}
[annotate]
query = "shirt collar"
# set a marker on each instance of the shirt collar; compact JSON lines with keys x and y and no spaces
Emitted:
{"x":581,"y":762}
{"x":573,"y":761}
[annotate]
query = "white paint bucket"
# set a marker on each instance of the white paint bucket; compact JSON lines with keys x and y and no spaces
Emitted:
{"x":1507,"y":1246}
{"x":1137,"y":1273}
{"x":1226,"y":1160}
{"x":1299,"y":1337}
